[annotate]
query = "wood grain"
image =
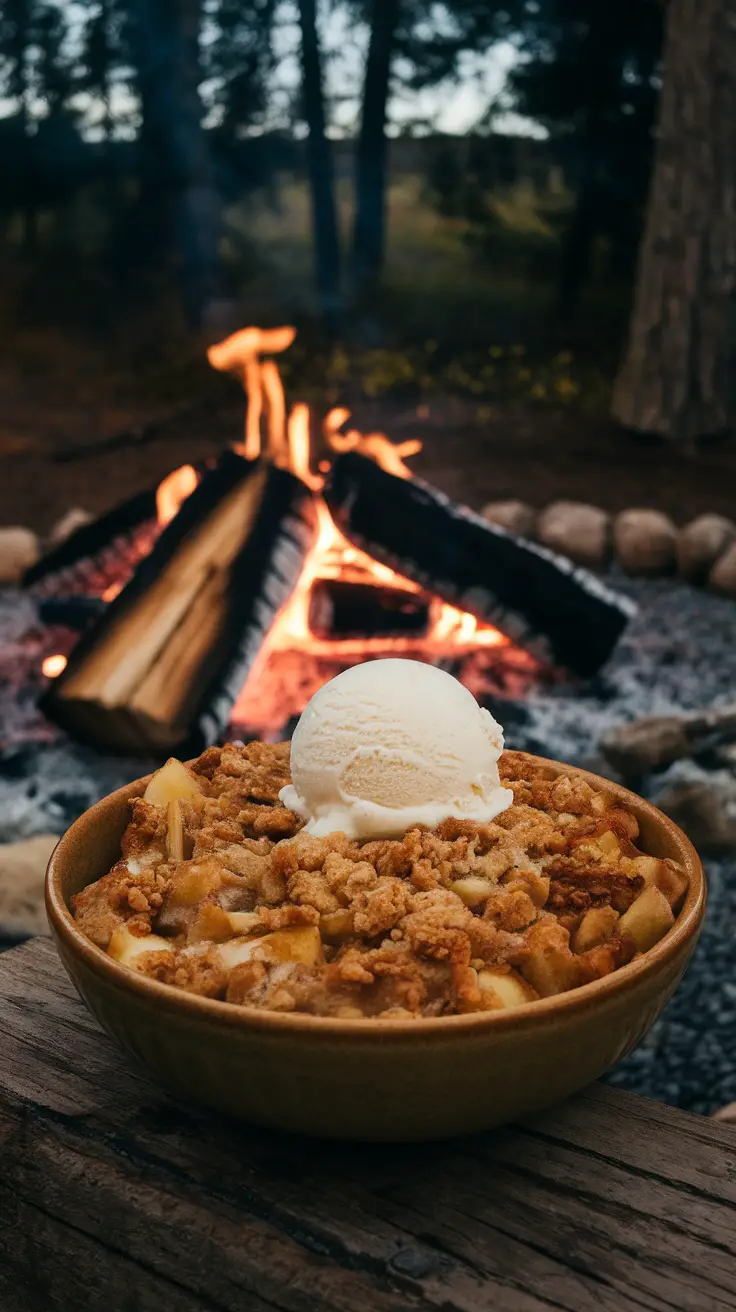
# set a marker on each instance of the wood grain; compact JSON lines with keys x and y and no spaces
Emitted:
{"x":114,"y":1195}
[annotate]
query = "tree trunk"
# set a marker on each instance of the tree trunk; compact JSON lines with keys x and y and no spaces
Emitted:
{"x":178,"y":189}
{"x":372,"y":148}
{"x":678,"y":378}
{"x":321,"y":172}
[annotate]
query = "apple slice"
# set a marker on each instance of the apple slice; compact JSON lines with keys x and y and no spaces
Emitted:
{"x":299,"y":946}
{"x":504,"y":988}
{"x":171,"y":783}
{"x":596,"y":926}
{"x":175,"y":831}
{"x":647,"y":919}
{"x":472,"y":889}
{"x":131,"y":950}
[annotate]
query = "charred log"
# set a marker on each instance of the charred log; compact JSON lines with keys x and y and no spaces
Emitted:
{"x":162,"y":669}
{"x":559,"y":612}
{"x":72,"y":612}
{"x":91,"y":539}
{"x":341,"y":609}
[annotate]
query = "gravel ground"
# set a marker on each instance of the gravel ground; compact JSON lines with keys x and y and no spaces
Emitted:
{"x":678,"y":654}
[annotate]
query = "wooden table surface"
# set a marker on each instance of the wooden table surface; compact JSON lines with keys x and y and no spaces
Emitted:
{"x":114,"y":1196}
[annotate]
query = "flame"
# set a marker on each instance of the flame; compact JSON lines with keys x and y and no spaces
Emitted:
{"x":377,"y":446}
{"x":333,"y":422}
{"x":450,"y":630}
{"x":298,"y":661}
{"x":286,"y":442}
{"x":53,"y":665}
{"x":240,"y":353}
{"x":173,"y":491}
{"x":298,"y":438}
{"x":276,"y":448}
{"x":285,"y":445}
{"x":231,"y":353}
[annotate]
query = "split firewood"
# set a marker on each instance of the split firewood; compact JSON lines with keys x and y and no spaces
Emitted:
{"x":161,"y":670}
{"x":656,"y":741}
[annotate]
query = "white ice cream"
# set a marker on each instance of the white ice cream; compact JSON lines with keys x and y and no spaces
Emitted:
{"x":391,"y":744}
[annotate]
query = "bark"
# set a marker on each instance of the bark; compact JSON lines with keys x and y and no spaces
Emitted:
{"x":372,"y":148}
{"x":321,"y":171}
{"x":678,"y":377}
{"x":178,"y":190}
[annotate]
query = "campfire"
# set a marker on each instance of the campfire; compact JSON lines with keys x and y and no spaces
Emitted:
{"x":304,"y":549}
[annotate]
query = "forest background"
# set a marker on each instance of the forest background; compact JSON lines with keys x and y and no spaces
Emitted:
{"x":476,"y":214}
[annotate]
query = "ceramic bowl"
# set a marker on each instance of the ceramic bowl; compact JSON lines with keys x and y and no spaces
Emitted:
{"x":375,"y":1079}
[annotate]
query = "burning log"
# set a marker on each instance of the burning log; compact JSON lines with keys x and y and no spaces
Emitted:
{"x":342,"y":609}
{"x":71,"y":612}
{"x":161,"y":670}
{"x":89,"y":540}
{"x":560,"y":613}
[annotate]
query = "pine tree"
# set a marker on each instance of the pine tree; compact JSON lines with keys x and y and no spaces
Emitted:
{"x":179,"y":203}
{"x":321,"y":171}
{"x":102,"y":55}
{"x":54,"y":70}
{"x":589,"y":76}
{"x":238,"y":61}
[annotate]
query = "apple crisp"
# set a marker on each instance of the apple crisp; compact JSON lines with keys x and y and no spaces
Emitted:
{"x":219,"y":892}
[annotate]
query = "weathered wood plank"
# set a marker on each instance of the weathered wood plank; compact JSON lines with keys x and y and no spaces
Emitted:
{"x":610,"y":1201}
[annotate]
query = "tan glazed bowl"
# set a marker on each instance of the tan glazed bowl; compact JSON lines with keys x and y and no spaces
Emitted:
{"x":373,"y":1079}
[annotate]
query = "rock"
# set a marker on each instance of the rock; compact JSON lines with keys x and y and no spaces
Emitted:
{"x":515,"y":516}
{"x":68,"y":524}
{"x":700,"y":544}
{"x":726,"y":1114}
{"x":19,"y":549}
{"x":645,"y":541}
{"x":723,"y":574}
{"x":655,"y":741}
{"x":22,"y":872}
{"x":576,"y":530}
{"x":645,"y":745}
{"x":705,"y":811}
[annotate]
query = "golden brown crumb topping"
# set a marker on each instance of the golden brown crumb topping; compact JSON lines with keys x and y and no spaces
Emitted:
{"x":220,"y":892}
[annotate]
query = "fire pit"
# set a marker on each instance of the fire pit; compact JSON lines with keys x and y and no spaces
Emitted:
{"x":260,"y":577}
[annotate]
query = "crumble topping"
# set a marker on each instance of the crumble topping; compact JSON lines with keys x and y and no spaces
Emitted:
{"x":221,"y":893}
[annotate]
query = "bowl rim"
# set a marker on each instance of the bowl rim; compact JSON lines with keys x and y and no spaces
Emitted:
{"x":540,"y":1012}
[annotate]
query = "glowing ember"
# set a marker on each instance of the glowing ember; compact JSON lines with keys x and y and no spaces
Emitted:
{"x":53,"y":666}
{"x":173,"y":491}
{"x":111,"y":593}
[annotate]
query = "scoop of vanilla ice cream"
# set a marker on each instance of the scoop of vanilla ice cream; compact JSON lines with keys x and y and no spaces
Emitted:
{"x":391,"y":744}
